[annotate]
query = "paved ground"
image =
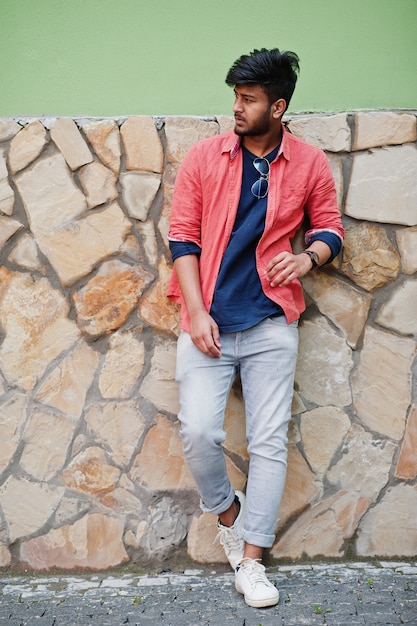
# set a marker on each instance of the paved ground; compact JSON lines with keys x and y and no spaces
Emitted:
{"x":334,"y":595}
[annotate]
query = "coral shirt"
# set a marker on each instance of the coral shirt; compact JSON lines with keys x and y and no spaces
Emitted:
{"x":206,"y":198}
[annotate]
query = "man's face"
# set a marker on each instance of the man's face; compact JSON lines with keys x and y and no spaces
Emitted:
{"x":252,"y":111}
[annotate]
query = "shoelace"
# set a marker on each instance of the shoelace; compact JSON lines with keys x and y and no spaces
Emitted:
{"x":228,"y":539}
{"x":254,"y":571}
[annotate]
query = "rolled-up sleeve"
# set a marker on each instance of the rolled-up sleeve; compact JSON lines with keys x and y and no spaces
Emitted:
{"x":322,"y":209}
{"x":186,"y":208}
{"x":182,"y":248}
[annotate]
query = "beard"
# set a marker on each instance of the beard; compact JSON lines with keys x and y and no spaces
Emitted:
{"x":259,"y":127}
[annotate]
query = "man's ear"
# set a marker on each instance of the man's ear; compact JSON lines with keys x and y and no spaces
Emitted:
{"x":278,"y":108}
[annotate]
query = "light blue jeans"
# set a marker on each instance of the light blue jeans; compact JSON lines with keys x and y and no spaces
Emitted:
{"x":265,"y":356}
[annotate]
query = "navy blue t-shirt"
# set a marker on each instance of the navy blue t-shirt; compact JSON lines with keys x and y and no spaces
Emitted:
{"x":239,"y":301}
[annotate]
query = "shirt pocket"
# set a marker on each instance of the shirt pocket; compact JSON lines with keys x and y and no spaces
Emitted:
{"x":292,"y":200}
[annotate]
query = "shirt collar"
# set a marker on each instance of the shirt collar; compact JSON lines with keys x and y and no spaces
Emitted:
{"x":232,"y":145}
{"x":285,"y":144}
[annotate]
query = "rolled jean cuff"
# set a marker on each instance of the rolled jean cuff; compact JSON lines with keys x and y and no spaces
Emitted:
{"x":222,"y":507}
{"x":262,"y":541}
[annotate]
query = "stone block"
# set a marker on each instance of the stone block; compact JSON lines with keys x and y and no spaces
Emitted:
{"x":226,"y":123}
{"x":8,"y":227}
{"x":323,"y":529}
{"x":143,"y":148}
{"x":26,"y":146}
{"x":235,"y":424}
{"x":181,"y":133}
{"x":71,"y":508}
{"x":27,"y":505}
{"x":7,"y":198}
{"x":6,"y":192}
{"x":67,"y":385}
{"x":337,"y":171}
{"x":25,"y":253}
{"x":106,"y":301}
{"x":93,"y":542}
{"x":50,"y":196}
{"x":76,"y":248}
{"x":398,"y":313}
{"x":407,"y":461}
{"x":5,"y":556}
{"x":155,"y":308}
{"x":369,"y":258}
{"x":382,"y":186}
{"x":149,"y":241}
{"x":70,"y":142}
{"x":8,"y":128}
{"x":324,"y":365}
{"x":407,"y":245}
{"x":131,"y":248}
{"x":98,"y":183}
{"x":362,"y":450}
{"x":4,"y":172}
{"x":320,"y":450}
{"x":91,"y":473}
{"x":201,"y":540}
{"x":122,"y":502}
{"x":104,"y":138}
{"x":383,"y":128}
{"x":301,"y":487}
{"x":345,"y":306}
{"x":139,"y":190}
{"x":160,"y":465}
{"x":167,"y":528}
{"x":12,"y":420}
{"x":46,"y":438}
{"x":36,"y":328}
{"x":380,"y":531}
{"x":163,"y":222}
{"x":328,"y":132}
{"x":381,"y":384}
{"x":159,"y":385}
{"x":122,"y":365}
{"x":118,"y":426}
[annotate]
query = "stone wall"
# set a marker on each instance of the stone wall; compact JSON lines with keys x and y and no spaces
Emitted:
{"x":91,"y":468}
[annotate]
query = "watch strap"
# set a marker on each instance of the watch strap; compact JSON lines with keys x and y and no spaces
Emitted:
{"x":314,"y":258}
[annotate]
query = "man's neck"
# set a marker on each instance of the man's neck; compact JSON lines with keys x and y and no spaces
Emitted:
{"x":263,"y":144}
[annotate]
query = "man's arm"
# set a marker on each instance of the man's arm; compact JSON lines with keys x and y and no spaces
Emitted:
{"x":203,"y":329}
{"x":324,"y":217}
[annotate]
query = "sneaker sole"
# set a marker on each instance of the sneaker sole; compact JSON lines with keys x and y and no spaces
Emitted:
{"x":259,"y":604}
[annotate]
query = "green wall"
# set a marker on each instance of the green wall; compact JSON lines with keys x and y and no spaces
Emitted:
{"x":124,"y":57}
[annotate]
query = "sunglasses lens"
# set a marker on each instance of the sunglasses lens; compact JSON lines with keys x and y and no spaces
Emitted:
{"x":260,"y":188}
{"x":262,"y":165}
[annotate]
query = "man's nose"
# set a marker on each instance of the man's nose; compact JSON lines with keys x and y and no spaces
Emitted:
{"x":237,"y":106}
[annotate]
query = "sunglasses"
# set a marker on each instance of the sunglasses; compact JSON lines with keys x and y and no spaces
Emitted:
{"x":260,"y":187}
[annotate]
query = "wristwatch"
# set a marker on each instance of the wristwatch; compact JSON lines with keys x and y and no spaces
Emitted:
{"x":314,"y":258}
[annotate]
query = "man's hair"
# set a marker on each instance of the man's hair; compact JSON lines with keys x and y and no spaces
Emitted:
{"x":276,"y":72}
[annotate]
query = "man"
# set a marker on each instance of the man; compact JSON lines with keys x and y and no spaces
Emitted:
{"x":239,"y":200}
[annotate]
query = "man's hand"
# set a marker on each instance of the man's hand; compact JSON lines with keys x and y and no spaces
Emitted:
{"x":205,"y":334}
{"x":286,"y":267}
{"x":203,"y":329}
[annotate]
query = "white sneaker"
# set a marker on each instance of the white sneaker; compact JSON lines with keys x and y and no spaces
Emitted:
{"x":250,"y":580}
{"x":230,"y":537}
